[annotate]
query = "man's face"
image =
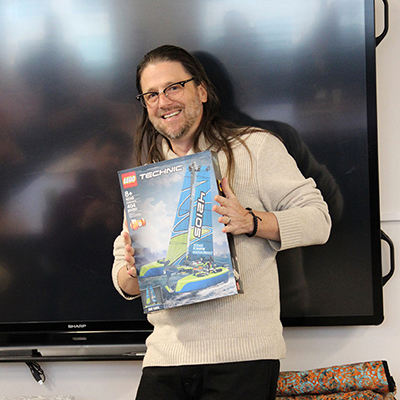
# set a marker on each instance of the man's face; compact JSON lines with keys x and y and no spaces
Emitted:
{"x":175,"y":120}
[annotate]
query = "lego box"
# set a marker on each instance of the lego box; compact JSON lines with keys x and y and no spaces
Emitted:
{"x":182,"y":256}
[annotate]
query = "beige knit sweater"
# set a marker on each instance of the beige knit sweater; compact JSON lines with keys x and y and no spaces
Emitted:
{"x":245,"y":326}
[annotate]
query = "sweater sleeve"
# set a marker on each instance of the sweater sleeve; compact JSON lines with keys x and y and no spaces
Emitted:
{"x":298,"y":205}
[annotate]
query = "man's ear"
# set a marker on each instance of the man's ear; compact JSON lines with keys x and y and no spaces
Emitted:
{"x":202,"y":93}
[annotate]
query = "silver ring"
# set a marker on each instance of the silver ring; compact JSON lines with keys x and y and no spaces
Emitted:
{"x":230,"y":219}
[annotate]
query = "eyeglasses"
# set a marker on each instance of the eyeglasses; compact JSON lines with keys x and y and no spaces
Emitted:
{"x":173,"y":92}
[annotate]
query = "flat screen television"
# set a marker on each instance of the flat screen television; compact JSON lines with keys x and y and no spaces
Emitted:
{"x":303,"y":69}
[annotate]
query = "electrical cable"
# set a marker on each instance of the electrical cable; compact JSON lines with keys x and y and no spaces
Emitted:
{"x":36,"y":371}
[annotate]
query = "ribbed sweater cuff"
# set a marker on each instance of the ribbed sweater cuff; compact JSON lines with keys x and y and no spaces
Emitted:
{"x":289,"y":229}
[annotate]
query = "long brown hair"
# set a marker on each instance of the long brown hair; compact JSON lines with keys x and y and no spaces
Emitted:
{"x":219,"y":133}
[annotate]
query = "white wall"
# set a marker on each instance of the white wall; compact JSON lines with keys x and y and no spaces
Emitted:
{"x":308,"y":348}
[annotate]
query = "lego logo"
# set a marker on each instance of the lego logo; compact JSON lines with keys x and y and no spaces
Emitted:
{"x":129,"y":180}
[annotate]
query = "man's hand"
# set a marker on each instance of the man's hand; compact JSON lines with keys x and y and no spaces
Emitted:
{"x":236,"y":218}
{"x":129,"y":255}
{"x":127,"y":276}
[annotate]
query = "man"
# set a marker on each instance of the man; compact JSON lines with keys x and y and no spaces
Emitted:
{"x":228,"y":348}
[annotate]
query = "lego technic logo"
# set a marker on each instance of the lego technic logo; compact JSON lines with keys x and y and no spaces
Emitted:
{"x":198,"y":222}
{"x":129,"y":179}
{"x":160,"y":172}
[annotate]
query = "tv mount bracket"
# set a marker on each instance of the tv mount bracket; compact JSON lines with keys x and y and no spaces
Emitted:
{"x":389,"y":241}
{"x":379,"y":39}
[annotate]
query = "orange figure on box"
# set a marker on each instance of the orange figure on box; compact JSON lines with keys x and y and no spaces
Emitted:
{"x":137,"y":223}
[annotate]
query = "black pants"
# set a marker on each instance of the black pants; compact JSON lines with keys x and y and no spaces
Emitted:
{"x":254,"y":380}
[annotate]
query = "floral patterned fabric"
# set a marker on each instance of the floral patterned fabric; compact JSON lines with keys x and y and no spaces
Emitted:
{"x":369,"y":380}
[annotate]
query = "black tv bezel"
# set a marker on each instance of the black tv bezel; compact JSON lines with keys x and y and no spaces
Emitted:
{"x":25,"y":341}
{"x":34,"y":335}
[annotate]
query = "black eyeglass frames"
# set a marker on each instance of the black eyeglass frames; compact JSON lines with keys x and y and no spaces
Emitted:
{"x":173,"y":92}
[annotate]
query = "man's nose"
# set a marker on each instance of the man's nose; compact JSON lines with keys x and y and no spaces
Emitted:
{"x":163,"y":100}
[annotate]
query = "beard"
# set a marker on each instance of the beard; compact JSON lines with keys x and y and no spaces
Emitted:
{"x":191,"y":112}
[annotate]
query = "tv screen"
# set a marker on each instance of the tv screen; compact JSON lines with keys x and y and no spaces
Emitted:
{"x":304,"y":70}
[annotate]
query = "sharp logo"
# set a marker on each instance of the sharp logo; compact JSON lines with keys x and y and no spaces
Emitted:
{"x":77,"y":326}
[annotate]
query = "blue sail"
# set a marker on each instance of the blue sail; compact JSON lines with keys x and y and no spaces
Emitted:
{"x":201,"y":231}
{"x":192,"y":241}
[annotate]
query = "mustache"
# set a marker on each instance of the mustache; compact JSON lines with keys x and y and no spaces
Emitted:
{"x":165,"y":111}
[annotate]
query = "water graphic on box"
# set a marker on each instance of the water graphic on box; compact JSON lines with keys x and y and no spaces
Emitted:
{"x":181,"y":254}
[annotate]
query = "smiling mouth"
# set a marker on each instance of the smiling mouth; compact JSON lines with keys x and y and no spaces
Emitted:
{"x":173,"y":114}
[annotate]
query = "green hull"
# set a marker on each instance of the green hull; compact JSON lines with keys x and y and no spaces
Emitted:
{"x":195,"y":282}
